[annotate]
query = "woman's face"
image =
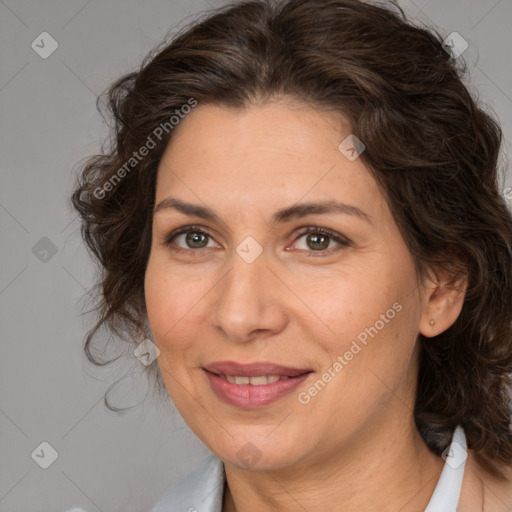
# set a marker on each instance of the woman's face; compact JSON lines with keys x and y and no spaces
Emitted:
{"x":248,"y":285}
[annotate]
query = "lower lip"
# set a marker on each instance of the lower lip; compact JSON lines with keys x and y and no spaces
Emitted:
{"x":249,"y":396}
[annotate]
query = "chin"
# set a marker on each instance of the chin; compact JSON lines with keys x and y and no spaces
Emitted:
{"x":258,"y":454}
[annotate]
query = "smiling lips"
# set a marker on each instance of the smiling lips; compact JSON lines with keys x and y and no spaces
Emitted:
{"x":253,"y":385}
{"x":253,"y":369}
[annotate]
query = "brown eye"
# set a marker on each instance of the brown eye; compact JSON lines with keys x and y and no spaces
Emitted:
{"x":188,"y":238}
{"x":318,"y":240}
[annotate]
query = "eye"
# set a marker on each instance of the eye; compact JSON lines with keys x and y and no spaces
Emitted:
{"x":319,"y":239}
{"x":189,"y":237}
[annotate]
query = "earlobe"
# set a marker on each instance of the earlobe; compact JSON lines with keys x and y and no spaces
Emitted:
{"x":443,"y":303}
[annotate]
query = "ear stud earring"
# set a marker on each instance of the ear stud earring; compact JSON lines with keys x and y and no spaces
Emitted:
{"x":432,"y":322}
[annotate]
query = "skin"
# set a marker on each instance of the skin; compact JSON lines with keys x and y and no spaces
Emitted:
{"x":354,"y":444}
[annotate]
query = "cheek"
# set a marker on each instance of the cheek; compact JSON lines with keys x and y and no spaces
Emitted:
{"x":166,"y":304}
{"x":371,"y":353}
{"x":159,"y":303}
{"x":370,"y":315}
{"x":169,"y":312}
{"x":346,"y":303}
{"x":175,"y":306}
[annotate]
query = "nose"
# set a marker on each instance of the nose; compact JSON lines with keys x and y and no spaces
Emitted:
{"x":248,"y":301}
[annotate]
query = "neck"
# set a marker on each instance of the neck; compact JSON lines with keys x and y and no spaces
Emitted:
{"x":379,"y":470}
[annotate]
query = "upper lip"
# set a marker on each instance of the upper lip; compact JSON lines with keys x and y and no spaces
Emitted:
{"x":253,"y":369}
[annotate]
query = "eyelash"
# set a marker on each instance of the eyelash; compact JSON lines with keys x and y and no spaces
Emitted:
{"x":342,"y":241}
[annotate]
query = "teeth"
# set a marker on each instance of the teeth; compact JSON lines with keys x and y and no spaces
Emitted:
{"x":259,"y":380}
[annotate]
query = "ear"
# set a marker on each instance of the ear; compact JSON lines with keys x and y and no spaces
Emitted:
{"x":443,"y":298}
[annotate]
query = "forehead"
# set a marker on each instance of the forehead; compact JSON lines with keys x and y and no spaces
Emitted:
{"x":274,"y":154}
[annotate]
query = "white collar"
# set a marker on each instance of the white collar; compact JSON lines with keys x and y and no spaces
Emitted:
{"x":447,"y":492}
{"x":203,"y":489}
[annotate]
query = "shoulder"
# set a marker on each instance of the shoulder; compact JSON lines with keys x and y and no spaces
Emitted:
{"x":202,"y":489}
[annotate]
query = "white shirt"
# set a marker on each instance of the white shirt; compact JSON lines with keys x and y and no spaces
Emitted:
{"x":203,"y":489}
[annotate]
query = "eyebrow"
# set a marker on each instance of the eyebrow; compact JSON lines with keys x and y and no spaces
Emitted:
{"x":283,"y":215}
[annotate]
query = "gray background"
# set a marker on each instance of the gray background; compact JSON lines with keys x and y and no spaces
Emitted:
{"x":48,"y":391}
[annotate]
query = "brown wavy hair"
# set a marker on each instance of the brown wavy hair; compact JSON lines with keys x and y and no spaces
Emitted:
{"x":431,"y":148}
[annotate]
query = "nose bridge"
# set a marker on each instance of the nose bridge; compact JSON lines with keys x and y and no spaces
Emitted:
{"x":244,"y":302}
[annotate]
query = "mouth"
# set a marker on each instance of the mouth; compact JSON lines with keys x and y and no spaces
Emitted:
{"x":258,"y":369}
{"x":253,"y":385}
{"x":257,"y":380}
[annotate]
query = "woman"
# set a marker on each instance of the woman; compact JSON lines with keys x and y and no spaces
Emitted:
{"x":301,"y":209}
